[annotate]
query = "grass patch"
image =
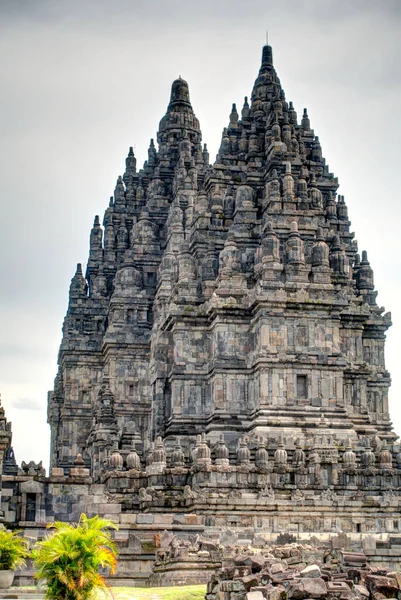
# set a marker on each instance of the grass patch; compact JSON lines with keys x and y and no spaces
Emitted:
{"x":185,"y":592}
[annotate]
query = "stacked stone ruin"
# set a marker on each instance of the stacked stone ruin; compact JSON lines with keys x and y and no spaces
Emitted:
{"x":298,"y":572}
{"x":222,"y":360}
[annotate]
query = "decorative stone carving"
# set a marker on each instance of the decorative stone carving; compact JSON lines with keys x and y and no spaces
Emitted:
{"x":227,"y":299}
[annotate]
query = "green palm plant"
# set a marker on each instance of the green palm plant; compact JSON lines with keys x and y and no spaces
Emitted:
{"x":69,"y":559}
{"x":13,"y":550}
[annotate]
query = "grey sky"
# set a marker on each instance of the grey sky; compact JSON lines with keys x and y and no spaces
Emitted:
{"x":83,"y":80}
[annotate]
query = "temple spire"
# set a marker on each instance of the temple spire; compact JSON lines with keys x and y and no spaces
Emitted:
{"x":179,"y":94}
{"x":179,"y":116}
{"x":267,"y":56}
{"x":267,"y":84}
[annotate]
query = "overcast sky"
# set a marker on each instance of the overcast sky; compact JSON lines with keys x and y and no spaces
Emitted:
{"x":83,"y":80}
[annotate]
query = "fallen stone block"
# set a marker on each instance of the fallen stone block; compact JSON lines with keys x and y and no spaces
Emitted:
{"x":256,"y":562}
{"x":337,"y":587}
{"x":240,"y":559}
{"x":276,"y":592}
{"x":294,"y":559}
{"x":208,"y":545}
{"x":395,"y":575}
{"x":307,"y":587}
{"x":277,"y":568}
{"x":378,"y":596}
{"x":250,"y":581}
{"x":257,"y":595}
{"x":353,"y":559}
{"x":311,"y":571}
{"x":315,"y":586}
{"x":361,"y":591}
{"x":358,"y":575}
{"x":236,"y":585}
{"x":382,"y":585}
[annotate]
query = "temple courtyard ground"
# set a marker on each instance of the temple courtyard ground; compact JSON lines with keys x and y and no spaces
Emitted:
{"x":187,"y":592}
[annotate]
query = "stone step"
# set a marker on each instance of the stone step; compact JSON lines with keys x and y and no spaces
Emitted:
{"x":22,"y":593}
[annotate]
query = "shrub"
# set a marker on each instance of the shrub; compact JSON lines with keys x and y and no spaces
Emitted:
{"x":69,"y":559}
{"x":13,"y":550}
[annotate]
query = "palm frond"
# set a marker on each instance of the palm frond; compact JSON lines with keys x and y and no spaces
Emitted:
{"x":70,"y":556}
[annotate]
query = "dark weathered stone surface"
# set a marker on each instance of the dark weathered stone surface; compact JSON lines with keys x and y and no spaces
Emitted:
{"x":383,"y":585}
{"x":221,"y":371}
{"x":224,"y":347}
{"x":226,"y":299}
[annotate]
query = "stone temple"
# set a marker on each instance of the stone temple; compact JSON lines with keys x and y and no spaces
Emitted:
{"x":222,"y":368}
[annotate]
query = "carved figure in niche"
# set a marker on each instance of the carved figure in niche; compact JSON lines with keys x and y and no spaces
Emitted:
{"x":144,"y":496}
{"x":338,"y":259}
{"x":376,"y":443}
{"x":269,"y":250}
{"x":235,"y":494}
{"x":273,"y":188}
{"x":389,"y":497}
{"x":210,"y":265}
{"x":371,"y":401}
{"x":298,"y":496}
{"x":229,"y":204}
{"x":315,"y":194}
{"x":314,"y":466}
{"x":156,"y":187}
{"x":175,"y":218}
{"x":122,"y":235}
{"x":186,"y":265}
{"x":244,"y":198}
{"x":328,"y":495}
{"x":127,"y":281}
{"x":267,"y":492}
{"x":188,"y":493}
{"x":230,"y":258}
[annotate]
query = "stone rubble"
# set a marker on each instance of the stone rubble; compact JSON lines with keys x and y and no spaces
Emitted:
{"x":281,"y":573}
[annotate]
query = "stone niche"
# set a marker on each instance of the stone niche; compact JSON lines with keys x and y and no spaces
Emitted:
{"x":32,"y":502}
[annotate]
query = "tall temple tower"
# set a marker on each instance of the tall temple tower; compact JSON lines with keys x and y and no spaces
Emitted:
{"x":227,"y":300}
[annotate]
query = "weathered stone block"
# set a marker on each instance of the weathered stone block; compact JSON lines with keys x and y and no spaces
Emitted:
{"x":57,"y":472}
{"x":307,"y":587}
{"x":361,"y":591}
{"x":311,"y":571}
{"x":159,"y":519}
{"x":194,"y":519}
{"x":111,"y":509}
{"x":127,"y":519}
{"x":254,"y":596}
{"x":144,"y":519}
{"x":383,"y":585}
